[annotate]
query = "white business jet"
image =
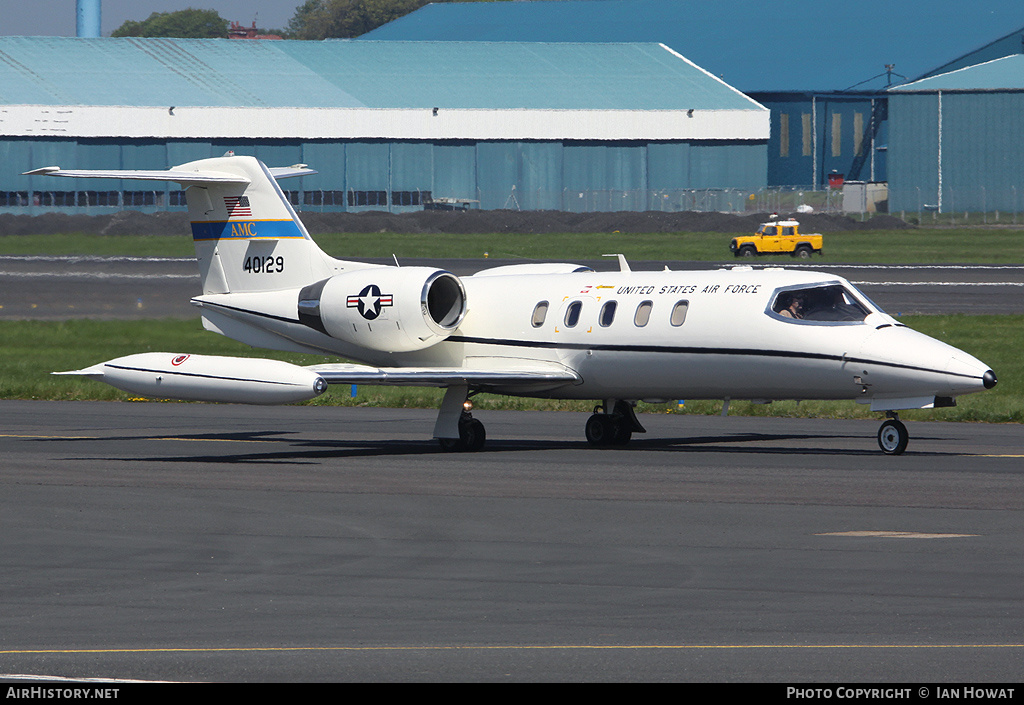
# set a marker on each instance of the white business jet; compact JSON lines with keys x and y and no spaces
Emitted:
{"x":540,"y":330}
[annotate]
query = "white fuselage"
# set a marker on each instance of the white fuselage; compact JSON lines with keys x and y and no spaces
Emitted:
{"x":728,"y":343}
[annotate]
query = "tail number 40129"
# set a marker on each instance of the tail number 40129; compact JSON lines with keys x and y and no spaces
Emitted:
{"x":263,"y":265}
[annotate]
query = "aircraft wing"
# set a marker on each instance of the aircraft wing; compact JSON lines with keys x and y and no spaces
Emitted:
{"x":532,"y":376}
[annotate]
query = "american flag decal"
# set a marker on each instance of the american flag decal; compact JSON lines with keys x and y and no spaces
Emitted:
{"x":238,"y":206}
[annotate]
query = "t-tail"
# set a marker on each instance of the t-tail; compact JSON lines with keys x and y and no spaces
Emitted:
{"x":247,"y":236}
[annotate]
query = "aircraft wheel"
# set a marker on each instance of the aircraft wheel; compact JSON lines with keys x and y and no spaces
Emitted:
{"x":621,"y":433}
{"x":893,"y":437}
{"x":472,"y":437}
{"x":608,"y":430}
{"x":600,"y":430}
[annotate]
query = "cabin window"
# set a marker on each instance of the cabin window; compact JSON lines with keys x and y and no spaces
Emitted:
{"x":821,"y":303}
{"x":572,"y":314}
{"x":679,"y":313}
{"x":643,"y":313}
{"x":540,"y":312}
{"x":607,"y":314}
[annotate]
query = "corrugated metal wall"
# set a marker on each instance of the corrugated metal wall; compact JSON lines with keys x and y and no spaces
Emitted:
{"x":813,"y":136}
{"x":980,"y":137}
{"x":394,"y":175}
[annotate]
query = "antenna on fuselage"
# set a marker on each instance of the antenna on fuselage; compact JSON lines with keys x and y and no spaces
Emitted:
{"x":623,"y":264}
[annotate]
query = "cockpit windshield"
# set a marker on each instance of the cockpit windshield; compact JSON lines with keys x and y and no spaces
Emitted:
{"x":820,"y":302}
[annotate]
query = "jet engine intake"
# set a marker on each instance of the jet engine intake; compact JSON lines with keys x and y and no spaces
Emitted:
{"x":390,"y":309}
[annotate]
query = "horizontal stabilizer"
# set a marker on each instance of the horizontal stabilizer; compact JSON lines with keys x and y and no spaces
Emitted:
{"x":180,"y":176}
{"x":287,"y":172}
{"x":442,"y":376}
{"x":197,"y":177}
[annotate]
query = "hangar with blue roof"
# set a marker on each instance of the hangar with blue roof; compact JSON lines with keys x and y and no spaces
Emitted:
{"x":388,"y":125}
{"x":821,"y":68}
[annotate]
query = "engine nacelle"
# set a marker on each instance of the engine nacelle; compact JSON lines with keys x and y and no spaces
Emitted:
{"x":390,"y":309}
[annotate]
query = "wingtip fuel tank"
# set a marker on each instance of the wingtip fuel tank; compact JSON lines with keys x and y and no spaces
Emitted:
{"x":240,"y":380}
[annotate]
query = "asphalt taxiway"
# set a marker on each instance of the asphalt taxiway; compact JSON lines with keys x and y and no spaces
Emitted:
{"x":216,"y":542}
{"x":224,"y":543}
{"x":62,"y":287}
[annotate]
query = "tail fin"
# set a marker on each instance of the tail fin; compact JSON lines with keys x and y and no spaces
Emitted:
{"x":247,"y":236}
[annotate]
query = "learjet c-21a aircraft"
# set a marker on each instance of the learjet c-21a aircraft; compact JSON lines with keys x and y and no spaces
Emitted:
{"x":539,"y":330}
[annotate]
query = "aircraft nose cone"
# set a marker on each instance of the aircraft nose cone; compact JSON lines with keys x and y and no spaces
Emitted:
{"x":989,"y":379}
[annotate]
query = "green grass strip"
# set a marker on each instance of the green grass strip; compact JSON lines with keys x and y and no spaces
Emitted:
{"x":932,"y":246}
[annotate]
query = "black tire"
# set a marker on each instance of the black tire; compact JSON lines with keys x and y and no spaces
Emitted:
{"x":893,"y":437}
{"x":621,"y":432}
{"x":803,"y":252}
{"x":600,"y":430}
{"x":472,"y":437}
{"x":605,"y":430}
{"x":747,"y":251}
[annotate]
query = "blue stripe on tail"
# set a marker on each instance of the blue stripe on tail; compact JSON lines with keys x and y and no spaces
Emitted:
{"x":246,"y":230}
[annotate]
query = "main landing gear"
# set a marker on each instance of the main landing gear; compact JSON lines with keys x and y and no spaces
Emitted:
{"x":893,"y":436}
{"x":613,"y":428}
{"x":456,"y":430}
{"x":472,"y":436}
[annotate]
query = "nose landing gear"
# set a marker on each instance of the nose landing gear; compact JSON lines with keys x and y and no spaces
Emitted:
{"x":893,"y":436}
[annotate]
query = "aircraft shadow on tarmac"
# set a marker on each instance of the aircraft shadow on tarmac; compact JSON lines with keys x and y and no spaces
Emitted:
{"x":306,"y":451}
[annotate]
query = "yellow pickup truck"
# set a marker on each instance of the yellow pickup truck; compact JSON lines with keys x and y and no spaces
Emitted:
{"x":778,"y":237}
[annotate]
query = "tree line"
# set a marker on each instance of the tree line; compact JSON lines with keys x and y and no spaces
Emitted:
{"x":313,"y":19}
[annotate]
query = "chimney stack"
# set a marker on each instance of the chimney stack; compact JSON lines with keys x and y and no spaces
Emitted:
{"x":88,"y":18}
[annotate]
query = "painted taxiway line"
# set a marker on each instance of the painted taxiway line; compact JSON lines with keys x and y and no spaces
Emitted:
{"x":896,"y":535}
{"x":64,"y":679}
{"x":838,"y":265}
{"x":876,"y":283}
{"x":493,"y":647}
{"x":93,"y":275}
{"x":92,"y":258}
{"x":36,"y":436}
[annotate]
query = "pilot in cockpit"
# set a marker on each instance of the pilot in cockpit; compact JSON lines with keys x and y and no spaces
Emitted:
{"x":794,"y":307}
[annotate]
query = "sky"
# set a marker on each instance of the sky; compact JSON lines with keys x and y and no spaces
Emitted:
{"x":56,"y":18}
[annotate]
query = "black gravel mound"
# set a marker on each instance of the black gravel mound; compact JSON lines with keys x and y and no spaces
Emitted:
{"x":474,"y":221}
